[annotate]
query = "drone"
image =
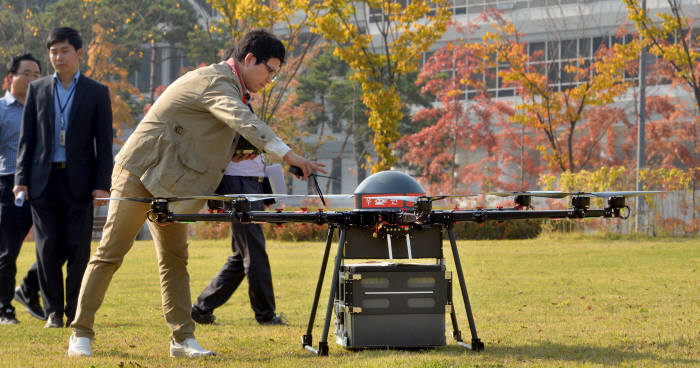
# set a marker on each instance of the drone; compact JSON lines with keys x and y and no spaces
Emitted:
{"x":392,"y":304}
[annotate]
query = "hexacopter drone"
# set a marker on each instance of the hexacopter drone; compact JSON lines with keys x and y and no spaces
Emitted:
{"x":392,"y":304}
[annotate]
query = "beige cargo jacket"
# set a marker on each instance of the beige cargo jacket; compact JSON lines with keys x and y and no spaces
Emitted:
{"x":187,"y":138}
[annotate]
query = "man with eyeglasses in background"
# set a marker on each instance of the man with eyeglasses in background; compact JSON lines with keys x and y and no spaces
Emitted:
{"x":15,"y":221}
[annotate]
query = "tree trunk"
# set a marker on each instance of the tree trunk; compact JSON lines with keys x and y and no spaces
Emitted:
{"x":152,"y":79}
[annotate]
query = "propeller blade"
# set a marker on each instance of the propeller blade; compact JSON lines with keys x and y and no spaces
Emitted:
{"x":229,"y":197}
{"x":131,"y":199}
{"x":258,"y":197}
{"x":413,"y":198}
{"x":151,"y":199}
{"x":532,"y":193}
{"x":629,"y":193}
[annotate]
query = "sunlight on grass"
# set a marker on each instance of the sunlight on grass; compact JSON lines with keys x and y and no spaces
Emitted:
{"x":555,"y":301}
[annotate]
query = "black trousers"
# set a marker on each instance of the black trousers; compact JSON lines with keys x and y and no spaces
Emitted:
{"x":249,"y":259}
{"x":62,"y":229}
{"x":15,"y":223}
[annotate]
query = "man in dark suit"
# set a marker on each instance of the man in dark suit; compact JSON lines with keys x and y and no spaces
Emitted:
{"x":64,"y":162}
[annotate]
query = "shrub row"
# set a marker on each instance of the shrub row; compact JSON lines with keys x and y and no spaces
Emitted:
{"x":516,"y":229}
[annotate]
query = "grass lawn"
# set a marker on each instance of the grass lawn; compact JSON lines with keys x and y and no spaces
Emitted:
{"x":563,"y":301}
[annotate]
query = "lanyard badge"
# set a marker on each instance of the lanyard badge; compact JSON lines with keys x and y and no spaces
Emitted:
{"x":61,"y":115}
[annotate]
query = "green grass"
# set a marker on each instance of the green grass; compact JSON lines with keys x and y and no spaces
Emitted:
{"x":557,"y":301}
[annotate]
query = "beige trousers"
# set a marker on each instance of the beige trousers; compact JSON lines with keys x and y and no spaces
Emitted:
{"x":124,"y":220}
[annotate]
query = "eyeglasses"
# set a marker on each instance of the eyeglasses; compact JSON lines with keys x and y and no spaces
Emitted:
{"x":273,"y":73}
{"x":30,"y":75}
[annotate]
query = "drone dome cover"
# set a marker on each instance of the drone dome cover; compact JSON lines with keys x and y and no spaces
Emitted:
{"x":386,"y":183}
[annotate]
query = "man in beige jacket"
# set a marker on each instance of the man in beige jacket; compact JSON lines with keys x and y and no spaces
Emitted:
{"x":181,"y":148}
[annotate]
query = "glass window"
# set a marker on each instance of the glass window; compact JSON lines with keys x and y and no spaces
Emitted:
{"x":552,"y":50}
{"x":599,"y":42}
{"x":505,"y":93}
{"x":567,"y":77}
{"x":553,"y":72}
{"x":491,"y":78}
{"x":584,"y":48}
{"x":568,"y":49}
{"x":537,"y":51}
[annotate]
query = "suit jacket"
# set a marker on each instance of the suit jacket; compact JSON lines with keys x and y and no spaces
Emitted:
{"x":88,"y":138}
{"x":187,"y":138}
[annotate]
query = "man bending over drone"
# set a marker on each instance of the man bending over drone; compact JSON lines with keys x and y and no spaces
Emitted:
{"x":181,"y":148}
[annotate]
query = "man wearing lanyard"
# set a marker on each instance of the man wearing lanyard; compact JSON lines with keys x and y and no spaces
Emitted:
{"x":63,"y":165}
{"x":181,"y":148}
{"x":15,"y":221}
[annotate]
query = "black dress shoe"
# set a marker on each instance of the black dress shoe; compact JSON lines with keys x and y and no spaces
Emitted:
{"x":54,"y":321}
{"x":276,"y":320}
{"x":203,"y":318}
{"x":8,"y":317}
{"x":31,"y":303}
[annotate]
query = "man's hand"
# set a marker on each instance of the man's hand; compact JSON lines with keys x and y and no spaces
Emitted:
{"x":247,"y":156}
{"x":306,"y":165}
{"x":21,"y":188}
{"x":99,"y":193}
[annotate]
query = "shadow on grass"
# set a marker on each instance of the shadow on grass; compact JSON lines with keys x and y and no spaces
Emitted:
{"x":613,"y":355}
{"x":547,"y":351}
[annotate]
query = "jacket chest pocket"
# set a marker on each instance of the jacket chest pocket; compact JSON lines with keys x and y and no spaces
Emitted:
{"x":183,"y":173}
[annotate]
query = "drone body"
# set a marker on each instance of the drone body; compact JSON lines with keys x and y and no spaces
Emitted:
{"x":392,"y":220}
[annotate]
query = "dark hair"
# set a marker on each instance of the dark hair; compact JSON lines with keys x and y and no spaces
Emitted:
{"x":261,"y":43}
{"x":65,"y":34}
{"x":13,"y":64}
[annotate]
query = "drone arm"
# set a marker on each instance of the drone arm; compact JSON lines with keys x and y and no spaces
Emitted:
{"x":480,"y":216}
{"x":279,"y":217}
{"x":194,"y":217}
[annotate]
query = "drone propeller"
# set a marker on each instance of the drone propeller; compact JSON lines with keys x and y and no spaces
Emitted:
{"x":560,"y":194}
{"x":415,"y":197}
{"x":163,"y":199}
{"x":628,"y":193}
{"x":531,"y":193}
{"x":227,"y":197}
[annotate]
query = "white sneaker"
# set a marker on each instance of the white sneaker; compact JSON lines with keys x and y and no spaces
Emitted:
{"x":188,"y":348}
{"x":79,"y":346}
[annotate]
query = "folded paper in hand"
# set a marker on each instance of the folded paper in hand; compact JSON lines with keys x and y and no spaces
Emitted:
{"x":276,"y":176}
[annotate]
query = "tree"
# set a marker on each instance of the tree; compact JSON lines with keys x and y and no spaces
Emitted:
{"x":676,"y":135}
{"x":578,"y":123}
{"x":472,"y":127}
{"x":338,"y":104}
{"x":18,"y":32}
{"x":102,"y":68}
{"x":404,"y":31}
{"x":674,"y":40}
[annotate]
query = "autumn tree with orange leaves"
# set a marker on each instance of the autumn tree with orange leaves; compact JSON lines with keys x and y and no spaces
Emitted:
{"x":579,"y":125}
{"x":547,"y":129}
{"x":670,"y":35}
{"x":103,"y":69}
{"x":475,"y":128}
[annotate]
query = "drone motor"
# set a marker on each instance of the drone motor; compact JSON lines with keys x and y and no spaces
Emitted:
{"x":581,"y":202}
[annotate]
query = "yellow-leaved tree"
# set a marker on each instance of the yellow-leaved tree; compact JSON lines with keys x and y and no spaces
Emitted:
{"x":574,"y":120}
{"x":381,"y":40}
{"x":103,"y":69}
{"x":674,"y":40}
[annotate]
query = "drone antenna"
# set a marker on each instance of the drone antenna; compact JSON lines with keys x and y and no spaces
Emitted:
{"x":318,"y":189}
{"x":296,"y":170}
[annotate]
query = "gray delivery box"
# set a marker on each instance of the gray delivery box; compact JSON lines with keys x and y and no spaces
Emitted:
{"x":392,"y":305}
